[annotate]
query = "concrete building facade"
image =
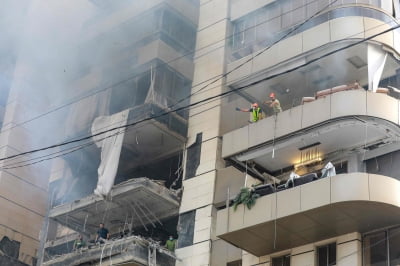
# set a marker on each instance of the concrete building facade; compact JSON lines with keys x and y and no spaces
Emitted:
{"x":21,"y":216}
{"x":141,"y":54}
{"x":320,"y":59}
{"x":320,"y":178}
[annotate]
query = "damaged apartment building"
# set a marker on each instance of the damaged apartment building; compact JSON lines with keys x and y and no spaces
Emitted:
{"x":169,"y":155}
{"x":131,"y":179}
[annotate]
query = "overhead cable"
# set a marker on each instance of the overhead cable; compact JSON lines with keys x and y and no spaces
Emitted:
{"x":206,"y":100}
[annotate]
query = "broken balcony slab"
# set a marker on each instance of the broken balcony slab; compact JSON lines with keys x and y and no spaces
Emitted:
{"x":153,"y":138}
{"x":137,"y":202}
{"x":131,"y":250}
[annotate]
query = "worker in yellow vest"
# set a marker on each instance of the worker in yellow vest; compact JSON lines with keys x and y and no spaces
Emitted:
{"x":255,"y":110}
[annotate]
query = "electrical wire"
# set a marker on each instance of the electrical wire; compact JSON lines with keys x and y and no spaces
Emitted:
{"x":161,"y":65}
{"x":262,"y":51}
{"x":202,"y":88}
{"x":222,"y":96}
{"x":348,"y":255}
{"x":240,"y":78}
{"x":90,"y":144}
{"x":179,"y":58}
{"x":204,"y":100}
{"x":212,"y":82}
{"x":77,"y":147}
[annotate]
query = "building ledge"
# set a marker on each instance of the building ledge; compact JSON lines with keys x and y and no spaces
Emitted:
{"x":139,"y":201}
{"x":133,"y":250}
{"x":355,"y":202}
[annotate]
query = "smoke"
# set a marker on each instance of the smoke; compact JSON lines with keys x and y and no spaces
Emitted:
{"x":45,"y":54}
{"x":64,"y":63}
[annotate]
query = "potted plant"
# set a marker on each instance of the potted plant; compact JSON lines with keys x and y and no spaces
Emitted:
{"x":246,"y":196}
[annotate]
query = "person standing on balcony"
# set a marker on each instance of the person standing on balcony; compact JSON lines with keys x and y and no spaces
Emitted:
{"x":255,"y":111}
{"x":274,"y":103}
{"x":170,"y":244}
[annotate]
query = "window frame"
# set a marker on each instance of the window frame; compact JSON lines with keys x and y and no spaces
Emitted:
{"x":283,"y":257}
{"x":284,"y":18}
{"x":388,"y":236}
{"x":327,"y":246}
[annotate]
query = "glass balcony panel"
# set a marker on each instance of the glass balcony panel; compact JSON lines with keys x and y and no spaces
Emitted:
{"x":269,"y":26}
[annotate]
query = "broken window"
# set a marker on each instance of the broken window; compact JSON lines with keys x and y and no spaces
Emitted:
{"x":171,"y":84}
{"x":186,"y":229}
{"x":122,"y":96}
{"x":130,"y":93}
{"x":9,"y":247}
{"x":179,"y":30}
{"x":193,"y":157}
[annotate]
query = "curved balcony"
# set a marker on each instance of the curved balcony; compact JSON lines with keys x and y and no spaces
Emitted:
{"x":321,"y":34}
{"x":343,"y":121}
{"x":356,"y":202}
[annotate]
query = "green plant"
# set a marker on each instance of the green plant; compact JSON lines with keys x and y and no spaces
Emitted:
{"x":246,"y":196}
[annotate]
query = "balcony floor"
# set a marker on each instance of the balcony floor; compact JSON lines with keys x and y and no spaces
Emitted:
{"x":319,"y":210}
{"x":138,"y":201}
{"x":132,"y":251}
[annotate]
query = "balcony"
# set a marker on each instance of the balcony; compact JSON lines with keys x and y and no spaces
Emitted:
{"x":346,"y":122}
{"x":142,"y":200}
{"x":127,"y":251}
{"x":249,"y":34}
{"x":155,"y":139}
{"x":312,"y":212}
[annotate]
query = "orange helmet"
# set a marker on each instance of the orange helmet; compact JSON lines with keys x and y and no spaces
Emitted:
{"x":272,"y":95}
{"x":255,"y":105}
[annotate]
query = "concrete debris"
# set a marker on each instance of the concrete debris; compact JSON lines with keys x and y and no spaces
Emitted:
{"x":133,"y":249}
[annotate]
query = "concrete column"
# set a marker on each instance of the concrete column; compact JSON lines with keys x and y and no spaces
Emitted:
{"x":355,"y":164}
{"x":387,"y":5}
{"x":304,"y":255}
{"x":349,"y":250}
{"x":249,"y":260}
{"x":204,"y":142}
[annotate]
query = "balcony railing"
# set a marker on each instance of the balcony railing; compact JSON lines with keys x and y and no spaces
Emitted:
{"x":132,"y":249}
{"x":312,"y":212}
{"x":336,"y":106}
{"x":244,"y":43}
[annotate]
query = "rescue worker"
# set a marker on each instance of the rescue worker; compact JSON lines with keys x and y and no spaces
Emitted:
{"x":274,"y":103}
{"x":170,"y":244}
{"x":255,"y":111}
